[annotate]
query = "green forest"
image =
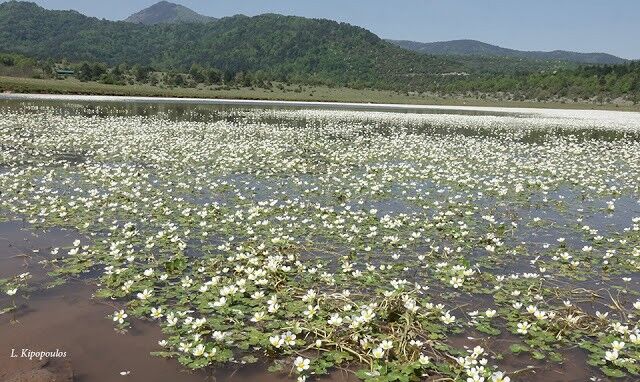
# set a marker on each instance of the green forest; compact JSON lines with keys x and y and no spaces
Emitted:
{"x":273,"y":49}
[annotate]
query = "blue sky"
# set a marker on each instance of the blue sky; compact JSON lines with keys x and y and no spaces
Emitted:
{"x":611,"y":26}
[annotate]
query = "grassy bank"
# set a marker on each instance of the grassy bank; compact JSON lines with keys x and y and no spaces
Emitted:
{"x":291,"y":93}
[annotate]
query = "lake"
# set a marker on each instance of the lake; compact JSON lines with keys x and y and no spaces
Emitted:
{"x":318,"y":241}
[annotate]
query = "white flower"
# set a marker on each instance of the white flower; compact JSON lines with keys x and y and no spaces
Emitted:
{"x":311,"y":311}
{"x":335,"y":320}
{"x":258,"y":316}
{"x":156,"y":312}
{"x":367,"y":315}
{"x":611,"y":355}
{"x":378,"y":352}
{"x":276,"y":341}
{"x":416,"y":343}
{"x":199,"y":350}
{"x":500,"y":377}
{"x":198,"y":323}
{"x":523,"y":327}
{"x":386,"y":344}
{"x":172,"y":320}
{"x":490,"y":313}
{"x":301,"y":364}
{"x":617,"y":345}
{"x":540,"y":315}
{"x":289,"y":338}
{"x":145,"y":294}
{"x":219,"y":303}
{"x":12,"y":292}
{"x":119,"y":316}
{"x":257,"y":295}
{"x":218,"y":335}
{"x":447,"y":318}
{"x":456,"y":282}
{"x":637,"y":304}
{"x":273,"y":307}
{"x":185,"y":347}
{"x":311,"y":294}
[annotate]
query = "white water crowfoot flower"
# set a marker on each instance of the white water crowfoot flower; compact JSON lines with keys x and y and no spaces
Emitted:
{"x":499,"y":377}
{"x":276,"y":341}
{"x":617,"y":345}
{"x":258,"y":316}
{"x":386,"y":344}
{"x":119,"y":316}
{"x":523,"y":327}
{"x":490,"y":313}
{"x":378,"y":352}
{"x":301,"y":364}
{"x":12,"y":292}
{"x":145,"y":295}
{"x":199,"y":350}
{"x":447,"y":318}
{"x":156,"y":313}
{"x":311,"y":311}
{"x":611,"y":355}
{"x":172,"y":320}
{"x":335,"y":320}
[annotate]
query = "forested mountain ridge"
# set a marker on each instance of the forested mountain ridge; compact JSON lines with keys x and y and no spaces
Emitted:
{"x":478,"y":48}
{"x":166,"y":12}
{"x":283,"y":47}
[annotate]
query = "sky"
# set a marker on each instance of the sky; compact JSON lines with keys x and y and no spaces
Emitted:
{"x":610,"y":26}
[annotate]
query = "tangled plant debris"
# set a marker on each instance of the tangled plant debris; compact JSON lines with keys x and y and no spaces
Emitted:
{"x":319,"y":240}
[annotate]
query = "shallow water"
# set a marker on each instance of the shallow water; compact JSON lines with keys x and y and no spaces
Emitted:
{"x":326,"y":183}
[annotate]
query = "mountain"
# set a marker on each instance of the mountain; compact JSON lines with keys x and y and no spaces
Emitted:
{"x":165,"y":12}
{"x":477,"y":48}
{"x":285,"y":48}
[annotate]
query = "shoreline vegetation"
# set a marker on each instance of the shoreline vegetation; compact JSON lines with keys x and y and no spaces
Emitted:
{"x":72,"y":86}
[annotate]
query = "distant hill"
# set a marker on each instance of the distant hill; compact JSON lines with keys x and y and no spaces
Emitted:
{"x":285,"y":48}
{"x":165,"y":12}
{"x":477,"y":48}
